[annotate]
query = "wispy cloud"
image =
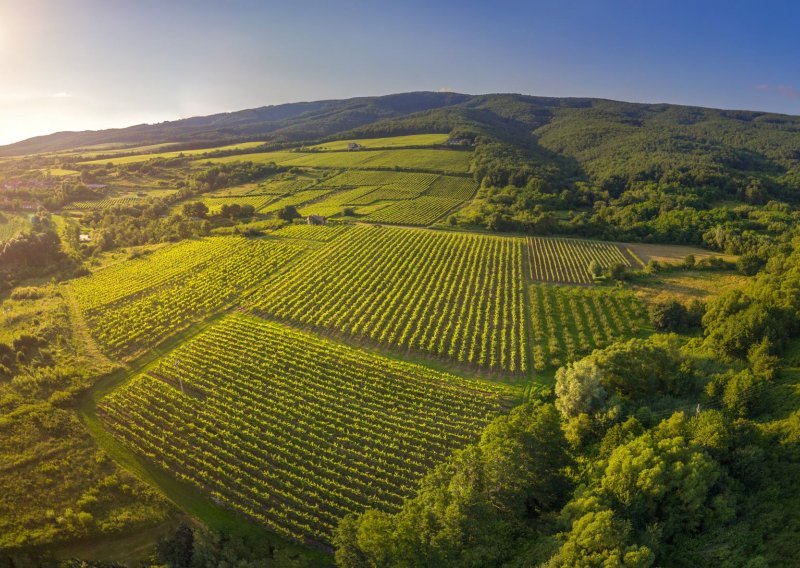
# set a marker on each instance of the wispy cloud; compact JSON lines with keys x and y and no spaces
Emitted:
{"x":788,"y":92}
{"x":61,"y":95}
{"x":444,"y":90}
{"x":784,"y":90}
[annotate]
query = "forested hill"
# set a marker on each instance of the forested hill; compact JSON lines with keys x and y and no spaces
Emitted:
{"x":553,"y":139}
{"x":287,"y":122}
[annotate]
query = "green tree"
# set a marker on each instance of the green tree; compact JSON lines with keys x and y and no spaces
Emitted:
{"x":669,"y":315}
{"x":288,"y":213}
{"x":598,"y":538}
{"x":595,"y":269}
{"x":579,"y":388}
{"x":661,"y":477}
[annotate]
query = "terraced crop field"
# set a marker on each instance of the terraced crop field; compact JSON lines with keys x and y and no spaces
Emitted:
{"x":105,"y":203}
{"x":452,"y":187}
{"x":456,"y":296}
{"x":188,"y":153}
{"x":294,"y":431}
{"x":323,"y":233}
{"x":569,"y":322}
{"x":334,"y":204}
{"x":214,"y":204}
{"x":422,"y":210}
{"x":417,"y":159}
{"x":411,"y":183}
{"x":134,"y":305}
{"x":390,"y":142}
{"x":295,"y":199}
{"x":288,"y":185}
{"x":567,"y":260}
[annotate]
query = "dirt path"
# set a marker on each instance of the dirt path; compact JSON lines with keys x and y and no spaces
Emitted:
{"x":81,"y":328}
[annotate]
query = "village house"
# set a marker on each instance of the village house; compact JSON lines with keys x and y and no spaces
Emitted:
{"x":315,"y":220}
{"x":354,"y":146}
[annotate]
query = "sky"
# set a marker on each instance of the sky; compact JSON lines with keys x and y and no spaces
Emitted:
{"x":92,"y":64}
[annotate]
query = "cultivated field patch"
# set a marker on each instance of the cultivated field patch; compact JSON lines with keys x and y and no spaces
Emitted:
{"x":135,"y":304}
{"x":293,"y":431}
{"x":456,"y":296}
{"x":568,"y":322}
{"x":568,"y":260}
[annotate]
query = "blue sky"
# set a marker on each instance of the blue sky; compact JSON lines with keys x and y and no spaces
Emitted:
{"x":88,"y":64}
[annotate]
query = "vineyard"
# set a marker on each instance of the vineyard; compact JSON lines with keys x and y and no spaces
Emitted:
{"x":136,"y":304}
{"x":334,"y":204}
{"x":418,"y":159}
{"x":404,"y":182}
{"x":294,"y":199}
{"x":452,"y":187}
{"x":165,"y":155}
{"x":390,"y":142}
{"x":568,"y":322}
{"x":323,"y":233}
{"x":452,"y":295}
{"x":567,"y":260}
{"x":394,"y":197}
{"x":422,"y":210}
{"x":105,"y":203}
{"x":258,"y":202}
{"x":293,"y":431}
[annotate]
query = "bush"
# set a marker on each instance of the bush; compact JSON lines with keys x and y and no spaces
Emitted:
{"x":595,"y":269}
{"x":27,"y":293}
{"x":669,"y":315}
{"x":749,"y":264}
{"x":289,"y":213}
{"x":616,"y":271}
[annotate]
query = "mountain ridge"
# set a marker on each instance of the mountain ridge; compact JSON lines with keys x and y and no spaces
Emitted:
{"x":311,"y":120}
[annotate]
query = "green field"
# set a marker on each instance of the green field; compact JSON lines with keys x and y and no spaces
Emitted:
{"x":175,"y":154}
{"x":293,"y":431}
{"x":390,"y":142}
{"x":131,"y":306}
{"x":323,"y":233}
{"x":258,"y":202}
{"x":295,"y":199}
{"x":568,"y":322}
{"x":451,"y":295}
{"x":393,"y":197}
{"x":105,"y":203}
{"x":60,"y":172}
{"x":422,"y":210}
{"x":335,"y":203}
{"x":423,"y":159}
{"x":11,"y":225}
{"x":567,"y":260}
{"x":407,"y":183}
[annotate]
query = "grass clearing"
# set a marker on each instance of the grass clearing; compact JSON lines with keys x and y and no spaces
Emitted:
{"x":671,"y":254}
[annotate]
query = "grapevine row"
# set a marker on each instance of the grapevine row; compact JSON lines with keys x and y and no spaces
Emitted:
{"x":294,"y":431}
{"x":457,"y":296}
